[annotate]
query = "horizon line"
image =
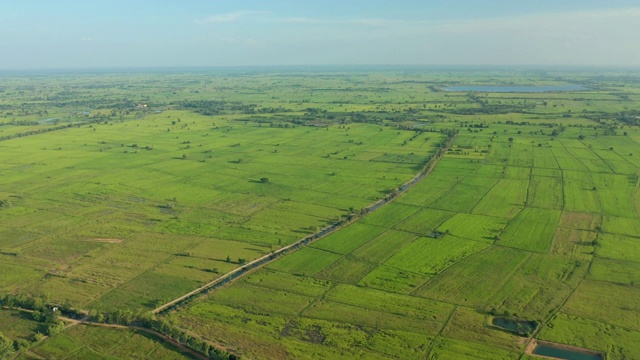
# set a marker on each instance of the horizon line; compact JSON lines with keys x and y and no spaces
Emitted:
{"x":301,"y":66}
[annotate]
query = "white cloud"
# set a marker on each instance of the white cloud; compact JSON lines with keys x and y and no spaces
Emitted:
{"x":231,"y":17}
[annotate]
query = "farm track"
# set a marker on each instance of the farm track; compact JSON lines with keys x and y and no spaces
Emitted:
{"x":185,"y":350}
{"x":71,"y":322}
{"x":266,"y":259}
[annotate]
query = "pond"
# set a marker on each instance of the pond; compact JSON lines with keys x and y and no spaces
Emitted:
{"x":521,"y":327}
{"x":565,"y":352}
{"x":518,"y":89}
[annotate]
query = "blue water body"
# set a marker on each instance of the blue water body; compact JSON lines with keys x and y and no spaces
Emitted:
{"x":562,"y":353}
{"x":519,"y":89}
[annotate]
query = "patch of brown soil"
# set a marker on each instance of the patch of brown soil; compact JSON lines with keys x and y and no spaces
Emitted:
{"x":107,"y":240}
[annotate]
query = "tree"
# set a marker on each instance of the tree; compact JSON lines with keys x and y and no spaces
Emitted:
{"x":184,"y":156}
{"x":55,"y":328}
{"x":264,"y":180}
{"x":511,"y":140}
{"x":21,"y":344}
{"x":6,"y":347}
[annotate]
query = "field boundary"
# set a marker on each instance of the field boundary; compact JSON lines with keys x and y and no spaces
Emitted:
{"x":264,"y":260}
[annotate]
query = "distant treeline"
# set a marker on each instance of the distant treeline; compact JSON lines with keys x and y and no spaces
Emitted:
{"x":215,"y":107}
{"x":43,"y":312}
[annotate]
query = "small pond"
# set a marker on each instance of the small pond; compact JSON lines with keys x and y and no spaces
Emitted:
{"x":521,"y":327}
{"x":567,"y":353}
{"x":516,"y":89}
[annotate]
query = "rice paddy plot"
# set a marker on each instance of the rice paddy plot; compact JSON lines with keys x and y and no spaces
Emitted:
{"x":258,"y":299}
{"x":616,"y":271}
{"x":616,"y":163}
{"x":19,"y":324}
{"x":573,"y":243}
{"x":446,"y":348}
{"x":425,"y":221}
{"x":521,"y":155}
{"x":566,"y":160}
{"x":621,"y":225}
{"x":615,"y":193}
{"x":532,"y":230}
{"x":430,"y":190}
{"x":338,"y":312}
{"x":377,"y":300}
{"x":472,"y":280}
{"x":618,"y":247}
{"x":432,"y":255}
{"x":539,"y":287}
{"x":305,"y":262}
{"x":505,"y":199}
{"x":346,"y":270}
{"x":383,"y":246}
{"x":394,"y":280}
{"x":390,"y":214}
{"x":612,"y":303}
{"x":464,"y":195}
{"x":302,"y":285}
{"x":349,"y":238}
{"x":517,"y":172}
{"x":617,"y":342}
{"x":543,"y":158}
{"x":546,"y":172}
{"x":579,"y":194}
{"x":590,"y":160}
{"x":475,"y":227}
{"x":580,"y":220}
{"x":545,"y":192}
{"x":469,"y":327}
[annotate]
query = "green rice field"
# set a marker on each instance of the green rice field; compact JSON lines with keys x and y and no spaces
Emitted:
{"x":142,"y":193}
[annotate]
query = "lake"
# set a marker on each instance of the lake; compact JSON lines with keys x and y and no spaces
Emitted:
{"x":564,"y":353}
{"x":519,"y":89}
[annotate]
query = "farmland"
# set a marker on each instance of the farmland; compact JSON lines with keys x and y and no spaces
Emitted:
{"x":138,"y":194}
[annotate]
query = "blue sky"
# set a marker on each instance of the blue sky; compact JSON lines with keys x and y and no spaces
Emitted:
{"x":148,"y":33}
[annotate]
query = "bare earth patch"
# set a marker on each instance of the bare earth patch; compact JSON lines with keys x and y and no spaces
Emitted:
{"x":107,"y":240}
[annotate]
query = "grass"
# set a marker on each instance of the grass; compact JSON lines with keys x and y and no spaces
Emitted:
{"x":533,"y":210}
{"x":431,"y":256}
{"x":531,"y":230}
{"x":307,"y":261}
{"x":425,"y":221}
{"x":468,"y":328}
{"x":382,"y":247}
{"x":475,"y":227}
{"x":607,"y":302}
{"x":350,"y":238}
{"x":617,"y":342}
{"x":505,"y":199}
{"x":618,"y":247}
{"x":466,"y":282}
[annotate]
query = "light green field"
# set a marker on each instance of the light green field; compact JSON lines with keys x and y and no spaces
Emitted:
{"x":533,"y":211}
{"x":90,"y":342}
{"x":532,"y":230}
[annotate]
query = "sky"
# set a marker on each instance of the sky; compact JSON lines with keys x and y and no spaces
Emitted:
{"x":71,"y":34}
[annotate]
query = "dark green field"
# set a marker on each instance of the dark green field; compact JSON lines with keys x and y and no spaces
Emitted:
{"x":125,"y":191}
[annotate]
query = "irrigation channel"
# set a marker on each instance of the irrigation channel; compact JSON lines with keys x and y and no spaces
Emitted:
{"x":264,"y":260}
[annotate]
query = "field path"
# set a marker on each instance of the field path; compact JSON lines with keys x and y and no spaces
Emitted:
{"x":165,"y":338}
{"x":266,"y":259}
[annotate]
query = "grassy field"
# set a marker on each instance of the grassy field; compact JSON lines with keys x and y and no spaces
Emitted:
{"x":533,"y":212}
{"x":84,"y":342}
